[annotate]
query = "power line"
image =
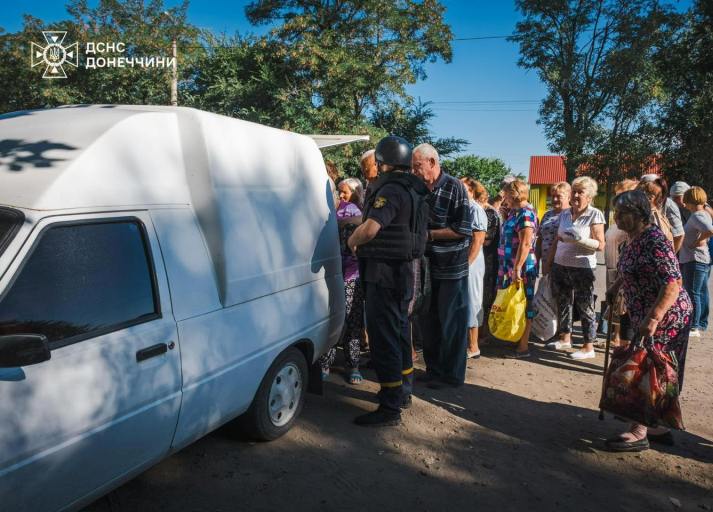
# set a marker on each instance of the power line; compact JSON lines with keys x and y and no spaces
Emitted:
{"x":479,"y":38}
{"x":487,"y":110}
{"x":482,"y":102}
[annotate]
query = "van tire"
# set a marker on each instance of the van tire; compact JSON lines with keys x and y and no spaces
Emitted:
{"x":285,"y":385}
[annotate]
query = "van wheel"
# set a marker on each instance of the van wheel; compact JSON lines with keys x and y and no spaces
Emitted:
{"x":279,"y":399}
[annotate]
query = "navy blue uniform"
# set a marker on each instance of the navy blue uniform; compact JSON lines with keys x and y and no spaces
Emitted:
{"x":388,"y":287}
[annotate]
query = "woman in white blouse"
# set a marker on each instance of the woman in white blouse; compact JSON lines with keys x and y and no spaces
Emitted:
{"x":572,"y":260}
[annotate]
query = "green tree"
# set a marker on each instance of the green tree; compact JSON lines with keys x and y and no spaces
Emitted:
{"x":352,"y":55}
{"x":411,"y":121}
{"x":145,"y":29}
{"x":488,"y":171}
{"x":589,"y":54}
{"x":246,"y":77}
{"x":685,"y":121}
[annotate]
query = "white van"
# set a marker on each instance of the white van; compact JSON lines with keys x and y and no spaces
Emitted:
{"x":162,"y":271}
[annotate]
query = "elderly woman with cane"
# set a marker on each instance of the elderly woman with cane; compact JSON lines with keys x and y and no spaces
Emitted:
{"x":659,"y":307}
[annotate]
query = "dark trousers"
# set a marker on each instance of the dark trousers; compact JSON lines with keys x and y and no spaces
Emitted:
{"x":578,"y":282}
{"x":445,"y":330}
{"x":389,"y":343}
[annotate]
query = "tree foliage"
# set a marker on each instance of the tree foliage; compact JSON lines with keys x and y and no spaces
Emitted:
{"x":593,"y":56}
{"x":488,"y":171}
{"x":352,"y":55}
{"x":411,"y":121}
{"x":144,"y":28}
{"x":245,"y":77}
{"x":323,"y":67}
{"x":684,"y":126}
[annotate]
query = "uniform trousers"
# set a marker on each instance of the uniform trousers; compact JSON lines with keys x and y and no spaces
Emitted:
{"x":390,"y":343}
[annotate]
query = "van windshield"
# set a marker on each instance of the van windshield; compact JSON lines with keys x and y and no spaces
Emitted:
{"x":10,"y":221}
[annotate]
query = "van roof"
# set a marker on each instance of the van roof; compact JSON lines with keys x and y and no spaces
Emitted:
{"x":87,"y":156}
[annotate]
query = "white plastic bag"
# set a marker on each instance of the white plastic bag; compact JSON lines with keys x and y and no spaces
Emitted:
{"x":544,"y":325}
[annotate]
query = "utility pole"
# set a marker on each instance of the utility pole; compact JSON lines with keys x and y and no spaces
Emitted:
{"x":174,"y":70}
{"x":174,"y":79}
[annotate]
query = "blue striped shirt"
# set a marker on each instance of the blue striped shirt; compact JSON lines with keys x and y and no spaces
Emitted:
{"x":450,"y":208}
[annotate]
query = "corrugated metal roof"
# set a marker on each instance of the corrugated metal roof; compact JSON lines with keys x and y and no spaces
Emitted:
{"x":546,"y":170}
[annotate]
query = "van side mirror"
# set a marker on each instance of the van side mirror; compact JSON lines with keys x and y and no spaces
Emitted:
{"x":23,"y":350}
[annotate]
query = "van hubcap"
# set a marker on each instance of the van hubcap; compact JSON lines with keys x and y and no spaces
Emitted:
{"x":285,"y":394}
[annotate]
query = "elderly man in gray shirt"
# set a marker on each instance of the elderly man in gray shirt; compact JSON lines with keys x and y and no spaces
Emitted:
{"x":672,"y":213}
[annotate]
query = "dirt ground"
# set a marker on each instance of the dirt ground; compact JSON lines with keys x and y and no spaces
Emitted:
{"x":520,"y":435}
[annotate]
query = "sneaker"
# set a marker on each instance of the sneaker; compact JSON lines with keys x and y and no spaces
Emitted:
{"x":695,"y":333}
{"x":581,"y":354}
{"x":558,"y":345}
{"x":379,"y":418}
{"x":473,"y":355}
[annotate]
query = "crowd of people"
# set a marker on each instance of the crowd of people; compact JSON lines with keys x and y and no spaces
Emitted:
{"x":656,"y":252}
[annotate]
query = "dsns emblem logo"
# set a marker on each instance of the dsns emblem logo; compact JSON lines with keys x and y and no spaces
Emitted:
{"x":55,"y":55}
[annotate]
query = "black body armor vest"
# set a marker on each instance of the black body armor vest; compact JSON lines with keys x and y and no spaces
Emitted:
{"x":399,"y":241}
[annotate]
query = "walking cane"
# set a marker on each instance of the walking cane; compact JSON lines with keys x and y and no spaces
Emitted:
{"x":610,"y":327}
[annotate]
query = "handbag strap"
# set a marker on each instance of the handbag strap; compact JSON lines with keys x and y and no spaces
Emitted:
{"x":643,"y":341}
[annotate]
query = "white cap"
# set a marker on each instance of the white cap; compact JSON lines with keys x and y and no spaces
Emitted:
{"x":678,"y":189}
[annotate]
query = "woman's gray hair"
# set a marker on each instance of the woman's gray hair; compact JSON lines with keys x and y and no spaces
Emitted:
{"x":634,"y":202}
{"x":587,"y":184}
{"x":357,"y":190}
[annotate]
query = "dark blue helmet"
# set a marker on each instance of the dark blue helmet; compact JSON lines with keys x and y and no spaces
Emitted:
{"x":393,"y":150}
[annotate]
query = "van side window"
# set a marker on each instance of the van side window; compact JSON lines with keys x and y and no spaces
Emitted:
{"x":80,"y":281}
{"x":10,"y":221}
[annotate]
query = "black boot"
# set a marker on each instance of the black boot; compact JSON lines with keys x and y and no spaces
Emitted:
{"x":406,"y":402}
{"x":379,"y":418}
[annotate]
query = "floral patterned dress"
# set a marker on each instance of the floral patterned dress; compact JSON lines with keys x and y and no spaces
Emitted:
{"x":647,"y":263}
{"x":518,"y":220}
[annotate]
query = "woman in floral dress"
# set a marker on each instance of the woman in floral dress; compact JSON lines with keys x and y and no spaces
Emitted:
{"x":657,"y":303}
{"x":517,"y":253}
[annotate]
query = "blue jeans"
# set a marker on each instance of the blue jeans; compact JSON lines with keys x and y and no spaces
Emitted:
{"x":695,"y":281}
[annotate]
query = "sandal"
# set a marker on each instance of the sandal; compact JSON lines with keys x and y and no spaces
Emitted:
{"x":518,"y":355}
{"x":619,"y":444}
{"x":355,"y":377}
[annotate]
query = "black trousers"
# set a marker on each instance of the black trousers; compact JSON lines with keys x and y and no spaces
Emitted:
{"x":445,"y":330}
{"x":577,"y":282}
{"x":390,"y":343}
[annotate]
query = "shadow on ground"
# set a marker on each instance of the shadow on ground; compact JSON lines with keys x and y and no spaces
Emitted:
{"x":468,"y":449}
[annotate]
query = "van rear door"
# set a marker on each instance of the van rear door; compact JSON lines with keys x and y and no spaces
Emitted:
{"x":106,"y":404}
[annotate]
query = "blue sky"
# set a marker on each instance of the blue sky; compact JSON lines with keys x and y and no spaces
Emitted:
{"x":499,"y":121}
